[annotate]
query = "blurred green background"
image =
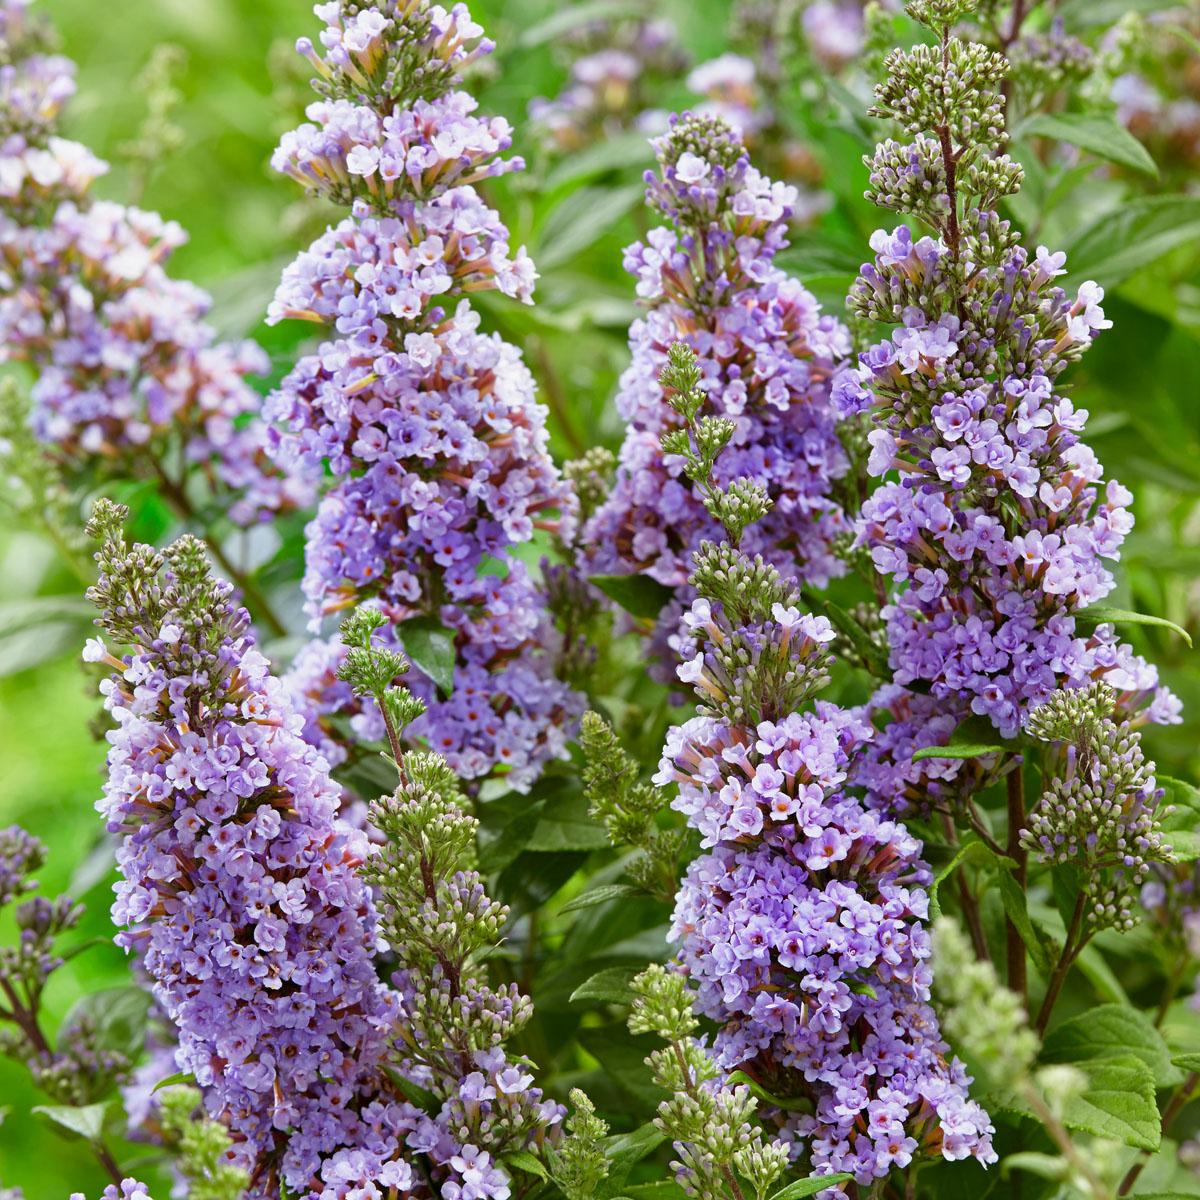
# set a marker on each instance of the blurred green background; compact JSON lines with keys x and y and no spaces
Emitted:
{"x":239,"y":92}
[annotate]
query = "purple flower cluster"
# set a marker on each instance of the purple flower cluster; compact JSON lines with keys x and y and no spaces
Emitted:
{"x":1170,"y":124}
{"x":429,"y":427}
{"x":128,"y":373}
{"x":239,"y":888}
{"x":803,"y":930}
{"x":994,"y":519}
{"x":896,"y":784}
{"x":611,"y":83}
{"x":242,"y":895}
{"x":767,"y":356}
{"x":489,"y":722}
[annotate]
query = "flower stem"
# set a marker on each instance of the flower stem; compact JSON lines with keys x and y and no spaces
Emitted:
{"x":1014,"y":945}
{"x":1072,"y":947}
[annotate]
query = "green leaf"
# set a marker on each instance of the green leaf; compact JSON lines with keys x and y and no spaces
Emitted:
{"x":1120,"y":243}
{"x":1097,"y":133}
{"x":522,"y":1160}
{"x":1093,"y":966}
{"x":1102,"y":614}
{"x":95,"y":868}
{"x":970,"y":850}
{"x":619,"y":153}
{"x":566,"y":825}
{"x":810,"y":1186}
{"x":32,"y":612}
{"x":414,"y":1093}
{"x":638,"y":595}
{"x":26,"y":648}
{"x":1118,"y":1103}
{"x":176,"y":1080}
{"x":1012,"y":896}
{"x":626,"y":1150}
{"x":602,"y":895}
{"x":583,"y":218}
{"x":119,"y":1016}
{"x":622,"y":1058}
{"x":1184,"y":799}
{"x":660,"y":1189}
{"x":1112,"y":1030}
{"x":430,"y":645}
{"x":787,"y":1103}
{"x":959,"y":750}
{"x":1045,"y":1166}
{"x":1185,"y":844}
{"x":610,"y":985}
{"x":85,"y":1121}
{"x":1189,"y":1062}
{"x":973,"y":738}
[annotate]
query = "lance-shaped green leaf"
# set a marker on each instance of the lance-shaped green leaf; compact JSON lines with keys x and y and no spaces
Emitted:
{"x":1097,"y":133}
{"x":1103,"y":614}
{"x":75,"y":1121}
{"x":810,"y":1186}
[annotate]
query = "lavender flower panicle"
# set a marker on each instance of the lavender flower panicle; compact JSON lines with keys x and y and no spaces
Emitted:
{"x":993,"y":519}
{"x":127,"y":371}
{"x":767,"y":357}
{"x":239,"y":888}
{"x":242,"y":891}
{"x":803,"y":926}
{"x":430,"y":428}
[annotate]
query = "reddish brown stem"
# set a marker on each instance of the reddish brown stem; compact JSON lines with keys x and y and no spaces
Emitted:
{"x":1072,"y":947}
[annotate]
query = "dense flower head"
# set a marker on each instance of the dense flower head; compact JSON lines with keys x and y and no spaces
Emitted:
{"x":349,"y":150}
{"x":1169,"y":123}
{"x":994,"y":520}
{"x":127,"y":371}
{"x":999,"y":524}
{"x":767,"y":355}
{"x":239,"y":888}
{"x":34,"y":83}
{"x":428,"y":427}
{"x":803,"y":929}
{"x":401,"y":50}
{"x":892,"y":782}
{"x":833,"y":32}
{"x":20,"y":854}
{"x":243,"y":894}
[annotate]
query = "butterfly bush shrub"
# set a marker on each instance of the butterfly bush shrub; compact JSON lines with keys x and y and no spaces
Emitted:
{"x":751,"y":793}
